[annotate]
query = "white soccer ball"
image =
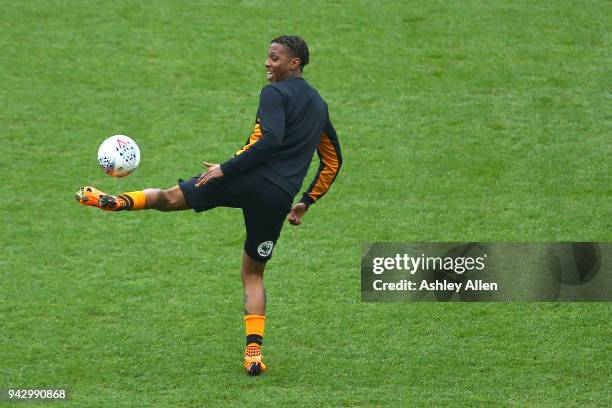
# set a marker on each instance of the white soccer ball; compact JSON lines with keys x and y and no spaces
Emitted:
{"x":118,"y":156}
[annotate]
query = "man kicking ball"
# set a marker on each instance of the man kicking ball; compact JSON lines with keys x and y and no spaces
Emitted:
{"x":262,"y":178}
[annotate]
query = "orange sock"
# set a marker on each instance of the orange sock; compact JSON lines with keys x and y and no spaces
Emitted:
{"x":135,"y":200}
{"x":254,"y":328}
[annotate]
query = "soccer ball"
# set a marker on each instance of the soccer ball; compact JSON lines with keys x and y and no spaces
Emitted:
{"x":118,"y":156}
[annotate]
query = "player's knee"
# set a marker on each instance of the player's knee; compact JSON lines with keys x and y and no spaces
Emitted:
{"x":167,"y":200}
{"x":251,"y":267}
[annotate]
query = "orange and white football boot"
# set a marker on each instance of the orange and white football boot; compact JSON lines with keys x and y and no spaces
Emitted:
{"x":93,"y":197}
{"x":252,"y":359}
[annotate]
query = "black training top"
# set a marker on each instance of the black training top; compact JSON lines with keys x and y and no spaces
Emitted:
{"x":292,"y":121}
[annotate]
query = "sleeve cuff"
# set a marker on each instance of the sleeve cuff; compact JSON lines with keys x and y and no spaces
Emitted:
{"x":227,"y":168}
{"x":307,"y":200}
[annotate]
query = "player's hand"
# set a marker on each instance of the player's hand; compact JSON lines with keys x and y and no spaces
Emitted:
{"x":213,"y":171}
{"x":296,"y":214}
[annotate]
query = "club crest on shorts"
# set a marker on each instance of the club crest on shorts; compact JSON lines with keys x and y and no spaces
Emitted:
{"x":265,"y":248}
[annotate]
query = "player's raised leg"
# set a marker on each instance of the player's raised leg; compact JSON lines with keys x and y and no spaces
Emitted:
{"x":254,"y":313}
{"x":171,"y":199}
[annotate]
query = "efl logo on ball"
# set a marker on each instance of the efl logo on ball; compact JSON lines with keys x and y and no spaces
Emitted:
{"x":119,"y":156}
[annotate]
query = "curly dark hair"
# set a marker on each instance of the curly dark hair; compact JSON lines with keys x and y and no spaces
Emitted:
{"x":296,"y":45}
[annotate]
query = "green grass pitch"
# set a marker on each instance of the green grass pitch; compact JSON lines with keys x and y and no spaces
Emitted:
{"x":471,"y":120}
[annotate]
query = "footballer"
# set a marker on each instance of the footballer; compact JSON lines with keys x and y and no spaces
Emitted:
{"x":262,"y":178}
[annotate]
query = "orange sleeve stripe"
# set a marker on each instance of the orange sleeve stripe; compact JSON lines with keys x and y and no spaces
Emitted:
{"x":329,"y":157}
{"x":255,"y":136}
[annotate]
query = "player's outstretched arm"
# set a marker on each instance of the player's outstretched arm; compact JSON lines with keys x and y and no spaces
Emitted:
{"x":271,"y":117}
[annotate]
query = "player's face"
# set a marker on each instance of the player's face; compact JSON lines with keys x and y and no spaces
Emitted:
{"x":280,"y":64}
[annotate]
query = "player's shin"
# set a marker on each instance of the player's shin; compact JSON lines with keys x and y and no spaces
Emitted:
{"x":254,"y":328}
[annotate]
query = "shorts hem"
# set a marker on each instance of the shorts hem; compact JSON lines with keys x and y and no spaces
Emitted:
{"x":257,"y":258}
{"x":181,"y":183}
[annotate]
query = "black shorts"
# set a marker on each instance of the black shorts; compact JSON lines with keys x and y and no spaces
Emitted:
{"x":264,"y":206}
